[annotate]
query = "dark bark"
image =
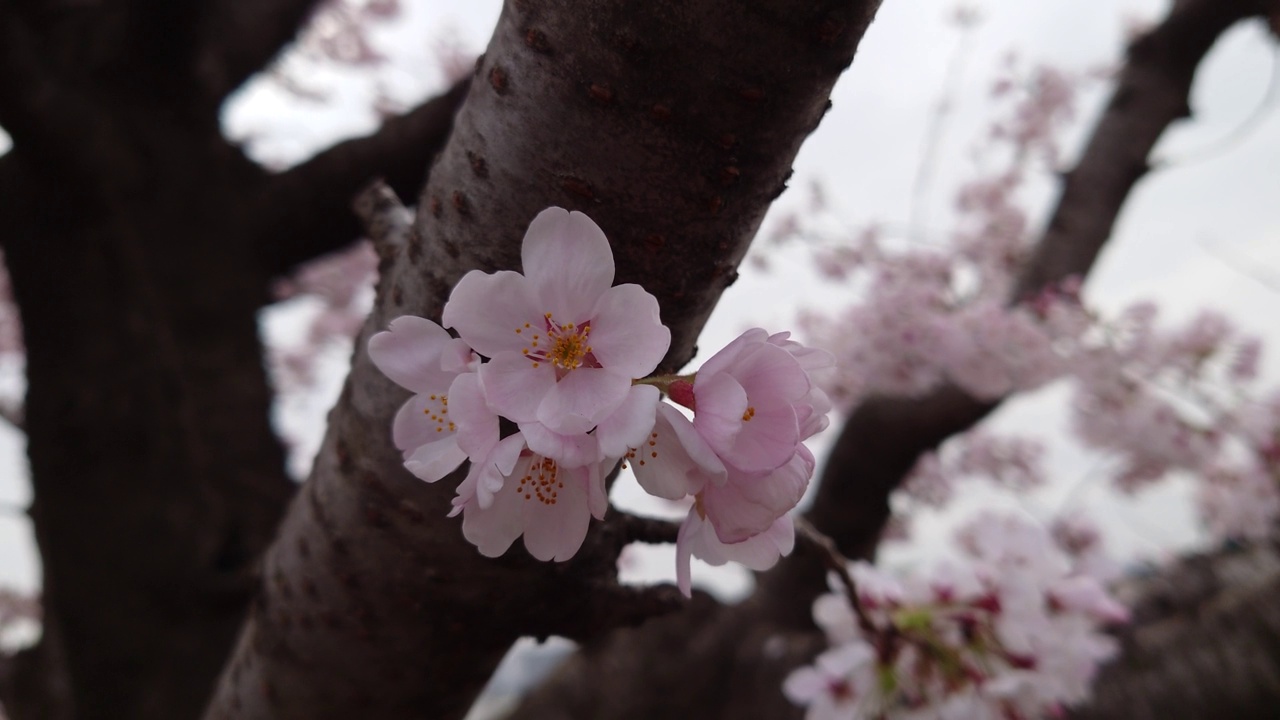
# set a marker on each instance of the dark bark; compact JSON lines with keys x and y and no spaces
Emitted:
{"x":135,"y":237}
{"x":373,"y":604}
{"x":884,"y":437}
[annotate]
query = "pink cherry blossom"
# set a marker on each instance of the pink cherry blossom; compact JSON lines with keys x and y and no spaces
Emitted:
{"x":447,"y":418}
{"x":563,"y":343}
{"x":747,"y":396}
{"x":533,"y":496}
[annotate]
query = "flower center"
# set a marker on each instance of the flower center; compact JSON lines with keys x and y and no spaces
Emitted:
{"x":564,"y":345}
{"x":438,"y":410}
{"x":542,"y":481}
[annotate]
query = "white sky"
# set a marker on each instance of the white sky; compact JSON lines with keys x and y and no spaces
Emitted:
{"x":1182,"y":239}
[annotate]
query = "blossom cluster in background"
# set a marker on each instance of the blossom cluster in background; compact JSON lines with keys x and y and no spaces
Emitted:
{"x":1012,"y":629}
{"x":566,"y":357}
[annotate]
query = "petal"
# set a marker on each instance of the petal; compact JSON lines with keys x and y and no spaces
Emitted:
{"x":497,"y":468}
{"x":581,"y":399}
{"x":728,"y":354}
{"x":477,"y":425}
{"x":567,"y":259}
{"x":689,"y":529}
{"x":409,"y":354}
{"x":761,"y":552}
{"x":721,"y":404}
{"x":556,"y":531}
{"x":628,"y":426}
{"x":597,"y":493}
{"x":435,"y":460}
{"x":767,"y":440}
{"x":747,"y":505}
{"x":768,"y":371}
{"x":488,"y":309}
{"x":627,"y":335}
{"x":514,"y":388}
{"x":493,"y":529}
{"x":419,"y":422}
{"x":573,"y":450}
{"x":675,"y":461}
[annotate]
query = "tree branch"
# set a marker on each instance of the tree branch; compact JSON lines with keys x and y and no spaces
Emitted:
{"x":309,"y":206}
{"x":370,"y":597}
{"x":240,"y":38}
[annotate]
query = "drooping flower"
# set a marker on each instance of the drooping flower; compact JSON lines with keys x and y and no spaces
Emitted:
{"x":563,"y":343}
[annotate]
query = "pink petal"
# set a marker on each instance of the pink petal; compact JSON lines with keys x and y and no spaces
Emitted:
{"x":766,"y":441}
{"x":567,"y":259}
{"x":581,"y":399}
{"x":689,"y":529}
{"x":721,"y":404}
{"x":761,"y":552}
{"x":627,"y":335}
{"x":628,"y":426}
{"x":492,"y":530}
{"x":433,"y":461}
{"x":748,"y":504}
{"x":477,"y":425}
{"x":597,"y":493}
{"x":487,"y":309}
{"x":497,"y":468}
{"x":575,"y":450}
{"x":409,"y":354}
{"x":729,"y":353}
{"x":679,"y":462}
{"x":769,"y":371}
{"x":413,"y":425}
{"x":514,"y":388}
{"x":555,"y":532}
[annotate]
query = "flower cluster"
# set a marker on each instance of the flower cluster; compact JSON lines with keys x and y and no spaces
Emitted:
{"x":1012,"y":632}
{"x":565,"y":357}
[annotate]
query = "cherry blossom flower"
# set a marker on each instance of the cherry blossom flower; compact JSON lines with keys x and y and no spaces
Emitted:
{"x":563,"y":343}
{"x":447,"y":418}
{"x":533,"y":496}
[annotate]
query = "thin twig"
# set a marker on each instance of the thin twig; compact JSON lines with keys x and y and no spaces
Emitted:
{"x":838,"y":564}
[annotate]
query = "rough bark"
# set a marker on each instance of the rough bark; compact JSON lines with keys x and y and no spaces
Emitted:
{"x":135,"y":236}
{"x":673,"y":127}
{"x":884,"y":436}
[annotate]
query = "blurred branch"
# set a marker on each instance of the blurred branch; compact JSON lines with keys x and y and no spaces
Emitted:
{"x":884,"y":437}
{"x":39,"y":111}
{"x":241,"y":38}
{"x":309,"y":206}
